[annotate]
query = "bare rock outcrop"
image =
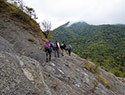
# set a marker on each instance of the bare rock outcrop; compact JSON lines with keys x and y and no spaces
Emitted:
{"x":23,"y":70}
{"x":12,"y":79}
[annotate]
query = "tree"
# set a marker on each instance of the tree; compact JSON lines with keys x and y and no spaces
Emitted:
{"x":46,"y":28}
{"x":31,"y":12}
{"x":20,"y":4}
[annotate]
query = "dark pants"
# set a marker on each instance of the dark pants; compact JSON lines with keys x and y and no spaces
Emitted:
{"x":62,"y":52}
{"x":56,"y":52}
{"x":69,"y":52}
{"x":48,"y":55}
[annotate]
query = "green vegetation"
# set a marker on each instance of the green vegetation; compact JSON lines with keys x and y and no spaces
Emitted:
{"x":46,"y":28}
{"x":104,"y":44}
{"x":95,"y":82}
{"x":91,"y":68}
{"x":32,"y":40}
{"x":9,"y":10}
{"x":103,"y":81}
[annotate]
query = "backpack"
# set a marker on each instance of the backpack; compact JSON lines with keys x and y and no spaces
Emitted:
{"x":47,"y":46}
{"x":69,"y":47}
{"x":62,"y":44}
{"x":55,"y":45}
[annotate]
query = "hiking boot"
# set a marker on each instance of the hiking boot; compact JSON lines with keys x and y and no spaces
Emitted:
{"x":46,"y":60}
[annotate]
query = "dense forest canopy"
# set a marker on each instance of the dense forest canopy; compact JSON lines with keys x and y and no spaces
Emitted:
{"x":102,"y":44}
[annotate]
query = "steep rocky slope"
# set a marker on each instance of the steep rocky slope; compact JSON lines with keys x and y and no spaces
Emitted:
{"x":23,"y":70}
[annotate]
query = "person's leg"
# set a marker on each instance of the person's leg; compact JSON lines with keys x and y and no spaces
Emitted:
{"x":62,"y":52}
{"x":46,"y":56}
{"x":55,"y":53}
{"x":70,"y":53}
{"x":58,"y":52}
{"x":49,"y":56}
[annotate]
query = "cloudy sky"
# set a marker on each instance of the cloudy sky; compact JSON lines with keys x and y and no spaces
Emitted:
{"x":90,"y":11}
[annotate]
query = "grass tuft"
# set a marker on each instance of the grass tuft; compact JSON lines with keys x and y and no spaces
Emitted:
{"x":9,"y":10}
{"x":104,"y":81}
{"x":32,"y":40}
{"x":91,"y":68}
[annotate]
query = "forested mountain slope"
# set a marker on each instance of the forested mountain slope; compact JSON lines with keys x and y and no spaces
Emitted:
{"x":102,"y":44}
{"x":24,"y":71}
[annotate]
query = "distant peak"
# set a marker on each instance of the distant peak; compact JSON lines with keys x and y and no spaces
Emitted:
{"x":69,"y":23}
{"x":119,"y":24}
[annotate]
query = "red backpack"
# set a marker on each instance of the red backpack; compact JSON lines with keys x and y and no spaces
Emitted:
{"x":69,"y":47}
{"x":47,"y":45}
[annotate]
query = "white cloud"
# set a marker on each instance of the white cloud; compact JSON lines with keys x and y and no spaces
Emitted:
{"x":91,"y":11}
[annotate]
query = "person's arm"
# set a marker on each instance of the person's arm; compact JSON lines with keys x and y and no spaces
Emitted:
{"x":52,"y":45}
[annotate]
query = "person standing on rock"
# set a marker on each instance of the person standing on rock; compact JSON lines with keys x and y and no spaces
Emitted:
{"x":56,"y":48}
{"x":48,"y":49}
{"x":62,"y":46}
{"x":69,"y":49}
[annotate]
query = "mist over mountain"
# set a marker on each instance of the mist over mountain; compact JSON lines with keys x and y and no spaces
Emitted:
{"x":69,"y":24}
{"x":102,"y":44}
{"x":23,"y":66}
{"x":120,"y":24}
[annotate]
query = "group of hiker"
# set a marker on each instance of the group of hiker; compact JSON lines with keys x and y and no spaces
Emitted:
{"x":56,"y":47}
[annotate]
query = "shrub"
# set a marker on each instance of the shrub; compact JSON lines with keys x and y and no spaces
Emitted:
{"x":117,"y":73}
{"x":91,"y":68}
{"x":9,"y":10}
{"x":20,"y":15}
{"x":95,"y":85}
{"x":32,"y":40}
{"x":5,"y":7}
{"x":103,"y":81}
{"x":34,"y":25}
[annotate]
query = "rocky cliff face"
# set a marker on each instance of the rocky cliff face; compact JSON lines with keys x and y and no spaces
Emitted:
{"x":23,"y":70}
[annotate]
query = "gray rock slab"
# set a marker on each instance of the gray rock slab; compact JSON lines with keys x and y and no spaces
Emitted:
{"x":12,"y":78}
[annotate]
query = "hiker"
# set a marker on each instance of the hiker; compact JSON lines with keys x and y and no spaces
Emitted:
{"x":56,"y":48}
{"x":48,"y":50}
{"x":69,"y":48}
{"x":51,"y":44}
{"x":62,"y":46}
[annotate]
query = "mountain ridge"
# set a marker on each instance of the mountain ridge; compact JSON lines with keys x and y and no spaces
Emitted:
{"x":103,"y":44}
{"x":68,"y":24}
{"x":24,"y":71}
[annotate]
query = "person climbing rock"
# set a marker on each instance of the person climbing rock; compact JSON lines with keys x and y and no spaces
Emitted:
{"x":56,"y":48}
{"x":69,"y":49}
{"x":48,"y":49}
{"x":62,"y":46}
